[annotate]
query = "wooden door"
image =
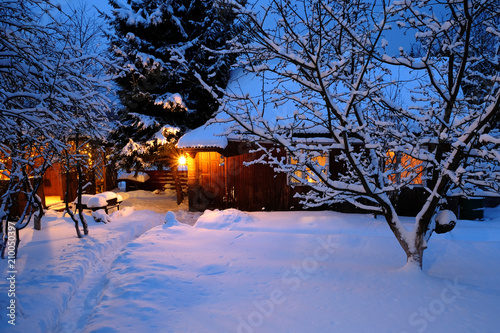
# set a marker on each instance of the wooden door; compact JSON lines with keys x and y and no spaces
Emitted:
{"x":211,"y":179}
{"x":52,"y":185}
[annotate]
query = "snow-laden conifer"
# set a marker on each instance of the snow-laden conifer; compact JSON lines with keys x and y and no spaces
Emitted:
{"x":167,"y":52}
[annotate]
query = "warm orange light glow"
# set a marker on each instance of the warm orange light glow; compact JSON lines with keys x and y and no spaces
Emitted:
{"x":4,"y":175}
{"x":412,"y":167}
{"x":182,"y":160}
{"x":50,"y":200}
{"x":321,"y":160}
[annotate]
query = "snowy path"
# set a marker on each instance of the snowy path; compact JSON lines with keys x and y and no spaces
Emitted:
{"x":87,"y":295}
{"x":53,"y":264}
{"x":88,"y":292}
{"x":59,"y":277}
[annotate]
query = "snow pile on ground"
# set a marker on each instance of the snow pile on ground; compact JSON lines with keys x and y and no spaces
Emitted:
{"x":170,"y":220}
{"x":223,"y":220}
{"x":101,"y":216}
{"x":323,"y":277}
{"x":254,"y":272}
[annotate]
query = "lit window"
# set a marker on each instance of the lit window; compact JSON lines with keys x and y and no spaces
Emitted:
{"x":406,"y":169}
{"x":308,"y":174}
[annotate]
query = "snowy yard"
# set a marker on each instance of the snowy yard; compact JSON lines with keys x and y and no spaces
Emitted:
{"x":250,"y":272}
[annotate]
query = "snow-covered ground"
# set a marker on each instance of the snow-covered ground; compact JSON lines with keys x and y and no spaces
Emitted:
{"x":249,"y":272}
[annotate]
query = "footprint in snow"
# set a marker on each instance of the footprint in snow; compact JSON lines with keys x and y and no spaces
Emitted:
{"x":212,"y":270}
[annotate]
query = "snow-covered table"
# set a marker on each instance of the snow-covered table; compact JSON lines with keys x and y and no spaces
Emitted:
{"x":105,"y":200}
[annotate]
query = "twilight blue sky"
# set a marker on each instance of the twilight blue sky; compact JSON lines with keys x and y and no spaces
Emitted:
{"x":396,"y":37}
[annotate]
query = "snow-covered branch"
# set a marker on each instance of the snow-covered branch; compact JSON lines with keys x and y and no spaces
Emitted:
{"x":325,"y":89}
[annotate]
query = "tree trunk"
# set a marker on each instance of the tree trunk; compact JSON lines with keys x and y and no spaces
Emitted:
{"x":18,"y":241}
{"x":80,"y":190}
{"x":412,"y":242}
{"x":68,"y":210}
{"x":38,"y":217}
{"x":177,"y":182}
{"x":38,"y":222}
{"x":416,"y":256}
{"x":6,"y":210}
{"x":66,"y":197}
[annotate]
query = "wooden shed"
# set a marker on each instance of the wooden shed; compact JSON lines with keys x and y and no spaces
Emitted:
{"x":219,"y":178}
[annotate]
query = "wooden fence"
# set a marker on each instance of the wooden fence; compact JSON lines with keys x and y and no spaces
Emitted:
{"x":159,"y":180}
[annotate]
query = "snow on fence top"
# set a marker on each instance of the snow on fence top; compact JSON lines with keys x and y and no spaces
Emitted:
{"x":141,"y":177}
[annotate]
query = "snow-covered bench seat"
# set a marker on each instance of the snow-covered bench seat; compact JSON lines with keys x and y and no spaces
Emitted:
{"x":105,"y":200}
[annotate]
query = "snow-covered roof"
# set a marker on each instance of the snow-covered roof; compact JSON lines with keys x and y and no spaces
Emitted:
{"x":207,"y":136}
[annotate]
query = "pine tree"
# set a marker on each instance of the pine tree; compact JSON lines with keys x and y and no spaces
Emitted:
{"x":164,"y":48}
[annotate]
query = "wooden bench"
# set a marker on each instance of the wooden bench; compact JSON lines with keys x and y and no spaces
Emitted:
{"x":104,"y":201}
{"x":112,"y":203}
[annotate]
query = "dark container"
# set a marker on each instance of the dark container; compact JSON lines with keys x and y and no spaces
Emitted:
{"x":471,"y":208}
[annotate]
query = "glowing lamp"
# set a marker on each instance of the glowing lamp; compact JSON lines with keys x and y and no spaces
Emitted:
{"x":182,"y":160}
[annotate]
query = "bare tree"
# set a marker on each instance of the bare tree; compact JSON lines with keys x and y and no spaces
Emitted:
{"x":44,"y":76}
{"x":83,"y":33}
{"x":393,"y":121}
